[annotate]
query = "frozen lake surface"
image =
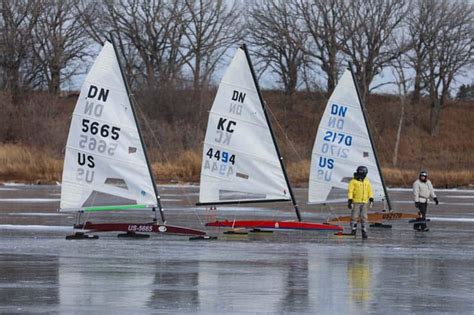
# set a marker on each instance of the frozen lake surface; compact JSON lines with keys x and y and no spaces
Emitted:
{"x":396,"y":270}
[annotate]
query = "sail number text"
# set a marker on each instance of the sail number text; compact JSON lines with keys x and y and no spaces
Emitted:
{"x":338,"y":137}
{"x":105,"y":130}
{"x":100,"y":146}
{"x":140,"y":228}
{"x":221,"y":156}
{"x":219,"y":162}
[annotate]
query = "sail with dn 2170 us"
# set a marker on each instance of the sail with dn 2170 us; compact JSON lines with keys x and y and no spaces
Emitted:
{"x":240,"y":162}
{"x":342,"y":144}
{"x":105,"y":165}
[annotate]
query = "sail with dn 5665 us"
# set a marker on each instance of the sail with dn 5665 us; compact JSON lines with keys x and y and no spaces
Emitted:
{"x":105,"y":165}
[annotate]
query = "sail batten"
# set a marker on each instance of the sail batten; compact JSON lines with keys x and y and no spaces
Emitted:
{"x":342,"y":144}
{"x":240,"y":162}
{"x":105,"y":161}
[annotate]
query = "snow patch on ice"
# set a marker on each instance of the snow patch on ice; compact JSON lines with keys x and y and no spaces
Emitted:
{"x":436,"y":189}
{"x":449,"y":219}
{"x":187,"y":185}
{"x":35,"y":227}
{"x":16,"y":184}
{"x":441,"y":203}
{"x":37,"y":214}
{"x":460,"y":197}
{"x":29,"y":200}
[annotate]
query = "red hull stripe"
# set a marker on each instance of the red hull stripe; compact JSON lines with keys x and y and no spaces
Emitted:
{"x":138,"y":228}
{"x":279,"y":225}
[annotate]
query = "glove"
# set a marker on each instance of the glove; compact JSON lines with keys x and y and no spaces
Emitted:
{"x":436,"y":200}
{"x":417,"y":204}
{"x":349,"y":203}
{"x":371,"y":202}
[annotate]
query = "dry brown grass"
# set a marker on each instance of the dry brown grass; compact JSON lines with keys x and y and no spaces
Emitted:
{"x":394,"y":177}
{"x":21,"y":163}
{"x":186,"y":167}
{"x":441,"y":179}
{"x":40,"y":124}
{"x":298,"y":172}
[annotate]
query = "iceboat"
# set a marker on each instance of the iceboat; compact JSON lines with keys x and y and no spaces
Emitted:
{"x":241,"y":161}
{"x":344,"y":142}
{"x":106,"y":167}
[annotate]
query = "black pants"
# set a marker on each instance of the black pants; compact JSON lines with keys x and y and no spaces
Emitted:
{"x":423,"y":207}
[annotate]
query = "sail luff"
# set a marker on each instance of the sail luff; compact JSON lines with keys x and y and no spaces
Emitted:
{"x":280,"y":158}
{"x":364,"y":114}
{"x":132,"y":106}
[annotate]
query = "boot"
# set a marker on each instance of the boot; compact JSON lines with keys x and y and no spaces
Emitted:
{"x":364,"y":234}
{"x":354,"y":229}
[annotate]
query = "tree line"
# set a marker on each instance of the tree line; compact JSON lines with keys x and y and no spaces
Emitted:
{"x":180,"y":44}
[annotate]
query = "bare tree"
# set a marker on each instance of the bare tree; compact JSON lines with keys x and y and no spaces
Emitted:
{"x":419,"y":20}
{"x":275,"y":30}
{"x":17,"y":20}
{"x":150,"y":35}
{"x":93,"y":18}
{"x":323,"y":22}
{"x":449,"y":43}
{"x":400,"y":67}
{"x":60,"y":43}
{"x":211,"y":28}
{"x":368,"y":27}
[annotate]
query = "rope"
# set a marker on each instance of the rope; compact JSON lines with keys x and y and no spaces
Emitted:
{"x":165,"y":157}
{"x":287,"y":139}
{"x":385,"y":146}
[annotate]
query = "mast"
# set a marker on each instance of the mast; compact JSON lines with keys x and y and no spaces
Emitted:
{"x":280,"y":158}
{"x":157,"y":195}
{"x":370,"y":136}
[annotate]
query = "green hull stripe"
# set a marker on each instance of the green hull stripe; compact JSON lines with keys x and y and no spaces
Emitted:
{"x":111,"y":208}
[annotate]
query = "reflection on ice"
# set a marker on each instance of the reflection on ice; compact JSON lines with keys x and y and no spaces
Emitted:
{"x":396,"y":270}
{"x":91,"y":282}
{"x":359,"y":276}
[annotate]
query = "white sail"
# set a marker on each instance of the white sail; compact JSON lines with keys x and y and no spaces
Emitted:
{"x":105,"y":163}
{"x":240,"y":161}
{"x":342,"y":144}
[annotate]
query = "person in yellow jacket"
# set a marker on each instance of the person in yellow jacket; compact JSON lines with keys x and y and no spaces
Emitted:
{"x":358,"y":195}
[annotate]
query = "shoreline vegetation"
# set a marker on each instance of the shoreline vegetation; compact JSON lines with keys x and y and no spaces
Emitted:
{"x":33,"y":134}
{"x":19,"y":163}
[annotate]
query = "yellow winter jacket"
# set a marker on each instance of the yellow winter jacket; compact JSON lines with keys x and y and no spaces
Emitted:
{"x":360,"y":191}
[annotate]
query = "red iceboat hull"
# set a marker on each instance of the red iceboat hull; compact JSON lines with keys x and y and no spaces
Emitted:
{"x":276,"y":225}
{"x":137,"y":228}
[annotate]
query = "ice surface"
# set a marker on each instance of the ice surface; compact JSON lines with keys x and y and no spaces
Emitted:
{"x":396,"y":270}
